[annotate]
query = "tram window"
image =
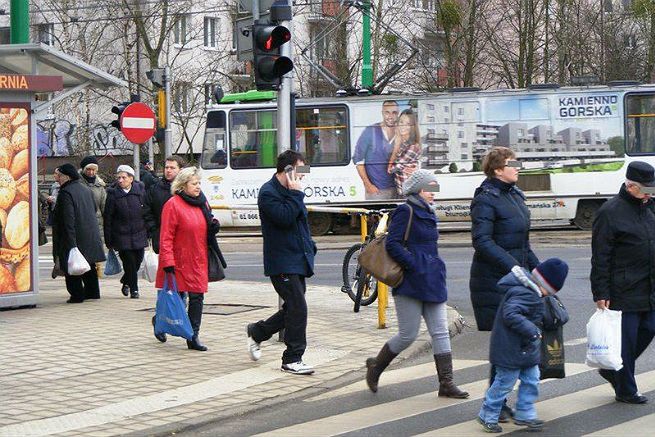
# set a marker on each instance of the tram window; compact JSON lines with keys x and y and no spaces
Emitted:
{"x":640,"y":124}
{"x":214,"y":154}
{"x":322,"y":135}
{"x":253,"y":142}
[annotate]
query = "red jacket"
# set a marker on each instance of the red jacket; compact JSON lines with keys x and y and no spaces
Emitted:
{"x":183,"y":245}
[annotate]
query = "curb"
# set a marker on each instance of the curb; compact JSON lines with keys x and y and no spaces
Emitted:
{"x":456,"y":326}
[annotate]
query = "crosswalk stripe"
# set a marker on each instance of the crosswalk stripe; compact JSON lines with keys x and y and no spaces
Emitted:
{"x":391,"y":411}
{"x":397,"y":376}
{"x":554,"y":408}
{"x":632,"y":427}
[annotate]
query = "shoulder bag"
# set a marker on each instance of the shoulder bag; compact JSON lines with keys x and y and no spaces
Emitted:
{"x":375,"y":259}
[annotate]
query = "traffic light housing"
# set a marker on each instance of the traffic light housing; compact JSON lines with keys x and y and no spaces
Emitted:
{"x":268,"y":63}
{"x":118,"y":110}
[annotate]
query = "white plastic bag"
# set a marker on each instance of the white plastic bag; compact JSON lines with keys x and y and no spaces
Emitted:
{"x":604,"y":340}
{"x":77,"y":264}
{"x":150,"y":264}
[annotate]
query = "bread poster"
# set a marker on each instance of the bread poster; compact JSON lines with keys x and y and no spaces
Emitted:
{"x":15,"y":211}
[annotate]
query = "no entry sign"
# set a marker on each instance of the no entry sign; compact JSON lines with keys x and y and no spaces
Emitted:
{"x":138,"y":122}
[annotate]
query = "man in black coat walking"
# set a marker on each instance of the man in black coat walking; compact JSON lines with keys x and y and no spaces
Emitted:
{"x":288,"y":259}
{"x":156,"y":197}
{"x":623,"y":271}
{"x":75,"y":225}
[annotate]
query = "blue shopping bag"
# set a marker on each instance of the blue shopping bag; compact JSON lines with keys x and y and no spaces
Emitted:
{"x":112,"y":266}
{"x":171,"y":317}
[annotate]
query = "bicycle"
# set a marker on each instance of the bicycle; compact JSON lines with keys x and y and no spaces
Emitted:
{"x":360,"y":285}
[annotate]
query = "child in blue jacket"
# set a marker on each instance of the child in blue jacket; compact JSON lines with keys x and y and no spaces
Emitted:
{"x":515,"y":347}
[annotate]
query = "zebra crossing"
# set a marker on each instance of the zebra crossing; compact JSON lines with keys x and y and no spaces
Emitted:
{"x":574,"y":402}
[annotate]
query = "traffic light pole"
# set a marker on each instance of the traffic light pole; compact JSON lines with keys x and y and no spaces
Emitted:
{"x":168,"y":133}
{"x":284,"y":119}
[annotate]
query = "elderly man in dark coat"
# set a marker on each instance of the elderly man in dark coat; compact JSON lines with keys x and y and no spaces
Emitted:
{"x":76,"y":225}
{"x":623,"y":271}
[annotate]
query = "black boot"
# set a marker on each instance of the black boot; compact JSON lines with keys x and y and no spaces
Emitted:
{"x":162,"y":336}
{"x":375,"y":366}
{"x":195,"y":344}
{"x":125,"y":289}
{"x":134,"y":294}
{"x":447,"y":387}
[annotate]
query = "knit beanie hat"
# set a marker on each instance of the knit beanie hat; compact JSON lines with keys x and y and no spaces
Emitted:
{"x":87,"y":161}
{"x":418,"y":181}
{"x":551,"y":274}
{"x":69,"y":170}
{"x":125,"y":168}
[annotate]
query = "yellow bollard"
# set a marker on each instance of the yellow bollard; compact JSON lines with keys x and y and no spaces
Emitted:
{"x":383,"y":302}
{"x":363,"y":226}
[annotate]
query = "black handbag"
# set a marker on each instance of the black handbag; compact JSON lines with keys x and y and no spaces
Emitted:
{"x":552,"y":354}
{"x":214,"y":265}
{"x":555,"y":315}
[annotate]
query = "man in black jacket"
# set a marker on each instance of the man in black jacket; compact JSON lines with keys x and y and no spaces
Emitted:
{"x":75,"y":225}
{"x":623,"y":272}
{"x":157,"y":195}
{"x":288,"y":259}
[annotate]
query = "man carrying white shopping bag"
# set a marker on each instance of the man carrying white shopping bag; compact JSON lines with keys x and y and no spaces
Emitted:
{"x":623,"y":272}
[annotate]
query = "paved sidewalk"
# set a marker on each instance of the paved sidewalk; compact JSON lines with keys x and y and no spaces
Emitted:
{"x":95,"y":369}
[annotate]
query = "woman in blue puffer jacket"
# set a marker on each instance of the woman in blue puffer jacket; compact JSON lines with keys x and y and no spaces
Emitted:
{"x":500,"y":227}
{"x":422,"y":293}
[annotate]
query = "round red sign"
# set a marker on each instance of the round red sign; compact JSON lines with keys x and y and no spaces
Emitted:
{"x":138,"y":122}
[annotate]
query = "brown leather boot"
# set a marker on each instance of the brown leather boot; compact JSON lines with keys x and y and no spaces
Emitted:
{"x":375,"y":366}
{"x":447,"y":387}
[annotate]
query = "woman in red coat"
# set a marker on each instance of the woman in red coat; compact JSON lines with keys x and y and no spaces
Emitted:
{"x":186,"y":226}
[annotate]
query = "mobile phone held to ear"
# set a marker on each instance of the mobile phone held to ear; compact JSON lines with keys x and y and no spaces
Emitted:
{"x":288,"y":169}
{"x":304,"y":169}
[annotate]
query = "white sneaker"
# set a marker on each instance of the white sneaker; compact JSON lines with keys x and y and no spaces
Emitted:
{"x":254,"y":348}
{"x":297,"y":368}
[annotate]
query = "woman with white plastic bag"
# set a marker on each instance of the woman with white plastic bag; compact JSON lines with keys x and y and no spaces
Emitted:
{"x":604,"y":340}
{"x":76,"y":242}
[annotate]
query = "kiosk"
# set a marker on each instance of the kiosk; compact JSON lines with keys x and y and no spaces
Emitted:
{"x":27,"y":70}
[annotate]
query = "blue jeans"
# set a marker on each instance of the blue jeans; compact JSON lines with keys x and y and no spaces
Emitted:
{"x":503,"y":385}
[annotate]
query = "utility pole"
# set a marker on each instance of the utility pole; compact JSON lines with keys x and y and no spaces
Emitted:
{"x":367,"y":68}
{"x":20,"y":21}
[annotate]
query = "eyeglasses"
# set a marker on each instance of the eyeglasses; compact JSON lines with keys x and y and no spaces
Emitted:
{"x":514,"y":164}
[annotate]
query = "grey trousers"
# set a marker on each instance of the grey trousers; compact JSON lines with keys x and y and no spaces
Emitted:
{"x":409,"y":312}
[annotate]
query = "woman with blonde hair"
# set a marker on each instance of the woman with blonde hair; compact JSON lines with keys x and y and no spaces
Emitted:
{"x":406,"y":151}
{"x":188,"y":228}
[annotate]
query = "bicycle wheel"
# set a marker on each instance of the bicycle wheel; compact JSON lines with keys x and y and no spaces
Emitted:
{"x":367,"y":290}
{"x":350,"y":270}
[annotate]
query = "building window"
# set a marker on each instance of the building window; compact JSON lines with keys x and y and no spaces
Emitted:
{"x":4,"y":35}
{"x":320,"y":47}
{"x":46,"y":32}
{"x":181,"y":29}
{"x":182,"y":97}
{"x":210,"y":28}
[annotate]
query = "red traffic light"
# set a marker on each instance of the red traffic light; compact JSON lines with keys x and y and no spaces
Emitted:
{"x":271,"y":37}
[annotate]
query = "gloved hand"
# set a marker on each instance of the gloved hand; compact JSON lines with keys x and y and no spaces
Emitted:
{"x":169,"y":269}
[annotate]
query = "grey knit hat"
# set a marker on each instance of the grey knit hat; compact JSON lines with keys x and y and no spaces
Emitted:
{"x":418,"y":181}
